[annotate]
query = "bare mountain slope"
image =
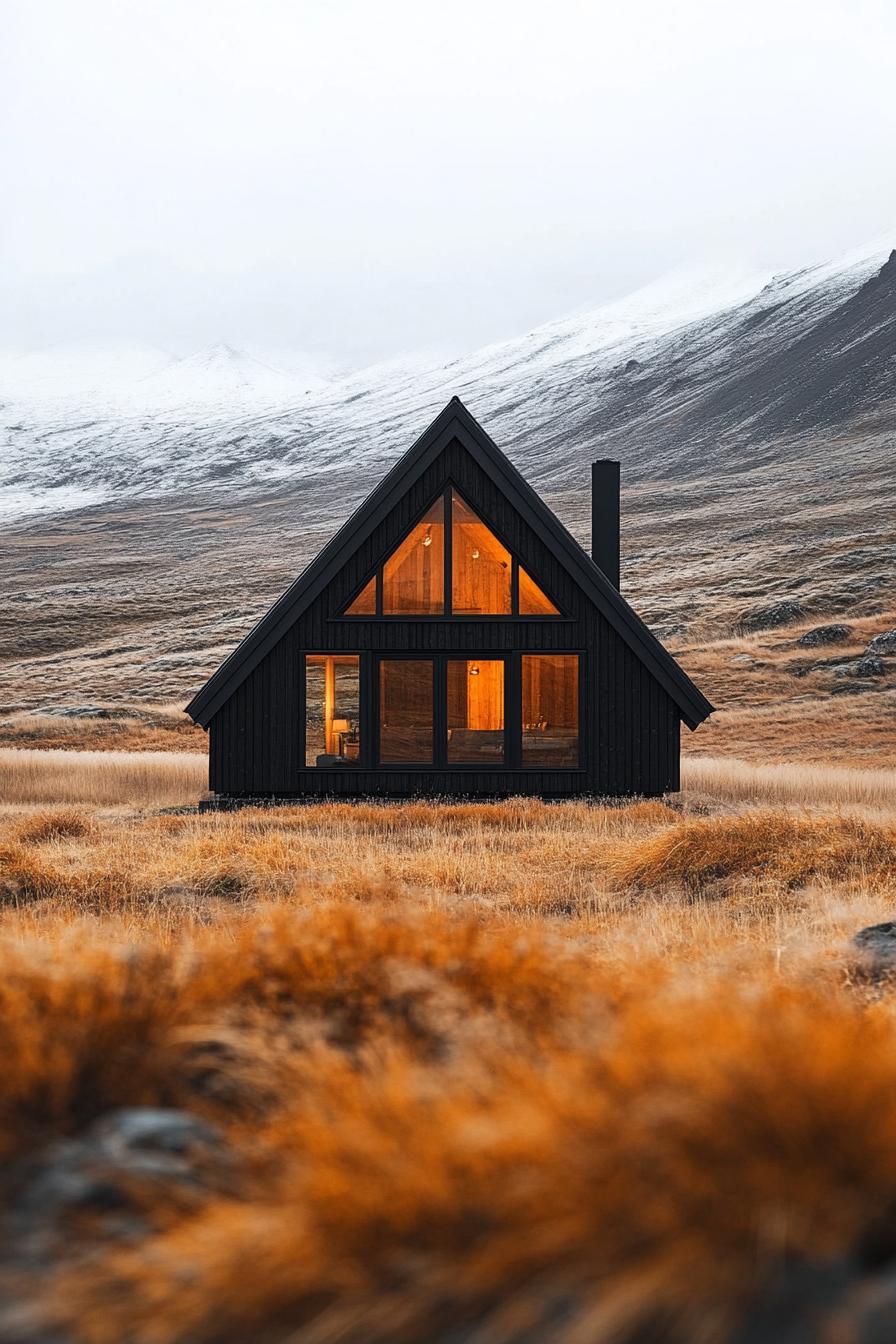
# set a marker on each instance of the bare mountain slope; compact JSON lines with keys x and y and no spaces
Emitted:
{"x":755,"y":422}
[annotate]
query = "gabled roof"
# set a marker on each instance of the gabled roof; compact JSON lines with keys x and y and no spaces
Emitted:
{"x":454,"y":422}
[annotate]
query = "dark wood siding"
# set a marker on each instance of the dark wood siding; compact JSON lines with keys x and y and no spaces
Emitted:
{"x":629,"y":723}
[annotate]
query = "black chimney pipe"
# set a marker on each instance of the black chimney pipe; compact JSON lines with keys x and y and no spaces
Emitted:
{"x":605,"y":518}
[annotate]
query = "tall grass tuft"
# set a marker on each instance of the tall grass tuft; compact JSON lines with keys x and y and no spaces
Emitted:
{"x":158,"y":779}
{"x":808,"y":785}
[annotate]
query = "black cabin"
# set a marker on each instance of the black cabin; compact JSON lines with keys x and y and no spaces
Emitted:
{"x":452,"y":639}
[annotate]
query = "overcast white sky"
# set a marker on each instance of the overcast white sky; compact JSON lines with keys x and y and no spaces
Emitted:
{"x":360,"y":179}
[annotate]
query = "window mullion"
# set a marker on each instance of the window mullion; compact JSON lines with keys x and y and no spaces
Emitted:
{"x":449,"y":551}
{"x":440,"y":712}
{"x":369,"y":710}
{"x":513,"y":713}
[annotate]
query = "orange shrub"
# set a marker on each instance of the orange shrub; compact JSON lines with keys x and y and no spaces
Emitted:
{"x":60,"y":824}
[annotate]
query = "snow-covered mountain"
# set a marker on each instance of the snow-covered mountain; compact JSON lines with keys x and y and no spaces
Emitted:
{"x":755,"y":418}
{"x":691,"y":365}
{"x":222,"y":376}
{"x":119,"y":379}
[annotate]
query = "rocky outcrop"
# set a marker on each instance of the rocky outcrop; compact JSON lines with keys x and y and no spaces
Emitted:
{"x":885,"y":642}
{"x":822,"y":635}
{"x":877,"y":944}
{"x":772,"y":616}
{"x":868,"y":666}
{"x":106,"y":1178}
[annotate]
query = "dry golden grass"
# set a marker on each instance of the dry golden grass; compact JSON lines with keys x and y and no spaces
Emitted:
{"x":701,"y":854}
{"x":640,"y":1189}
{"x":512,"y":1072}
{"x":165,"y":779}
{"x":807,"y":785}
{"x":158,"y":779}
{"x":440,"y":1123}
{"x":114,"y":728}
{"x":780,"y":702}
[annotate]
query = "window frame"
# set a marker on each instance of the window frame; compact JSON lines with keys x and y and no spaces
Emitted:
{"x":364,"y":752}
{"x":442,"y":687}
{"x":448,"y":580}
{"x":377,"y":710}
{"x":369,"y":711}
{"x":580,"y":707}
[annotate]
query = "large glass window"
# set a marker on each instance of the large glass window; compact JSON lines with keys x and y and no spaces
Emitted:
{"x":414,"y":574}
{"x":406,"y":711}
{"x":475,"y":711}
{"x":332,"y":710}
{"x":550,"y":709}
{"x":476,"y":571}
{"x":480,"y":565}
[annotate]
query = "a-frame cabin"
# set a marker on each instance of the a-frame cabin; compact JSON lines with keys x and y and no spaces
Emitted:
{"x":454,"y":640}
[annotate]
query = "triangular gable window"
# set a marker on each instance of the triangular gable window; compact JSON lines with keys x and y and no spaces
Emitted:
{"x":461,"y":571}
{"x":365,"y":603}
{"x":533,"y":602}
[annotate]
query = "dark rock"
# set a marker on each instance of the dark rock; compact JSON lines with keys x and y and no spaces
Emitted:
{"x":75,"y":711}
{"x":824,"y":634}
{"x":792,"y":1307}
{"x":119,"y":1167}
{"x":840,"y":666}
{"x":830,"y":1300}
{"x":774,"y":615}
{"x":632,"y":366}
{"x":885,"y":642}
{"x":868,"y":666}
{"x":877,"y":943}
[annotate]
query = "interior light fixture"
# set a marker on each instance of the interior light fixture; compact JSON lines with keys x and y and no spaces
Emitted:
{"x":474,"y":671}
{"x":427,"y":540}
{"x":475,"y":555}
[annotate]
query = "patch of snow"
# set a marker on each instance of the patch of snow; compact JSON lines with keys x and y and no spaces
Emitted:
{"x":16,"y":503}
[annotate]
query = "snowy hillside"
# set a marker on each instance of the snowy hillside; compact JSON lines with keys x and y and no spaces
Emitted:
{"x":691,"y":364}
{"x":220,"y":376}
{"x":154,"y":513}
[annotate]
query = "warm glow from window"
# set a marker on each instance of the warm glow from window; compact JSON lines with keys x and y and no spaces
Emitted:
{"x":414,"y":580}
{"x":480,"y":565}
{"x":406,"y":711}
{"x":414,"y":574}
{"x":533,"y":602}
{"x":475,"y":711}
{"x":551,"y":709}
{"x":332,"y":704}
{"x":365,"y":603}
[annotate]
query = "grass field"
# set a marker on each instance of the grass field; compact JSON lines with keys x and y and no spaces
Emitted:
{"x":500,"y":1072}
{"x":506,"y":1073}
